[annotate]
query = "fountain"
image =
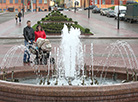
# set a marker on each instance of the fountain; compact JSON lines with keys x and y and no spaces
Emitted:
{"x":70,"y":78}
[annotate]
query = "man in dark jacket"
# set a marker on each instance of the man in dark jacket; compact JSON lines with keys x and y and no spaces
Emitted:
{"x":20,"y":15}
{"x":29,"y":37}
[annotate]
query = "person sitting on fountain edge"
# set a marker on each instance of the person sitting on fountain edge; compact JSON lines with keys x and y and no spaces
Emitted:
{"x":29,"y":37}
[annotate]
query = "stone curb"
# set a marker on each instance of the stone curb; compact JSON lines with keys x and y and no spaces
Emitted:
{"x":82,"y":37}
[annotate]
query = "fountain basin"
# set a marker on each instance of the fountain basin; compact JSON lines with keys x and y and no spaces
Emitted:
{"x":18,"y":92}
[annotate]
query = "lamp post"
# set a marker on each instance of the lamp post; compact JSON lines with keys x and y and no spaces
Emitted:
{"x":48,"y":1}
{"x":89,"y":10}
{"x":118,"y":16}
{"x":36,"y":5}
{"x":32,"y":5}
{"x":23,"y":7}
{"x":1,"y":5}
{"x":75,"y":6}
{"x":100,"y":3}
{"x":75,"y":3}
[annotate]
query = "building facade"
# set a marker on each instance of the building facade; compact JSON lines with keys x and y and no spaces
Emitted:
{"x":99,"y":3}
{"x":108,"y":3}
{"x":102,"y":3}
{"x":27,"y":5}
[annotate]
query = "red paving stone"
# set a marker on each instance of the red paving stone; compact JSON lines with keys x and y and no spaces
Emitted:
{"x":99,"y":50}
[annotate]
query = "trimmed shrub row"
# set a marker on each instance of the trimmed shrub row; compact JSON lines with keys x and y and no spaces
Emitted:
{"x":57,"y":27}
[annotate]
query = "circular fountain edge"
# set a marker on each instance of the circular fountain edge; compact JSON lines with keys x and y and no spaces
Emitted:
{"x":10,"y":91}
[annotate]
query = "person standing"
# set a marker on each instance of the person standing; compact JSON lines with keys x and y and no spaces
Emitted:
{"x":49,"y":9}
{"x":29,"y":37}
{"x":39,"y":33}
{"x":20,"y":15}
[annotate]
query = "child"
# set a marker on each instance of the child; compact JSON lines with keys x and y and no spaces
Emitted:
{"x":16,"y":18}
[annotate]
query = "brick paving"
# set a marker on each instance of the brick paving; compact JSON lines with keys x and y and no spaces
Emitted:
{"x":99,"y":52}
{"x":100,"y":28}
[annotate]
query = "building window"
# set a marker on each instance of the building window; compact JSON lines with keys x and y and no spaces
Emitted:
{"x":11,"y":1}
{"x":45,"y":1}
{"x":121,"y":2}
{"x":112,"y":2}
{"x":40,"y":1}
{"x":22,"y":1}
{"x":16,"y":9}
{"x":95,"y":1}
{"x":4,"y":1}
{"x":34,"y":1}
{"x":16,"y":1}
{"x":103,"y":1}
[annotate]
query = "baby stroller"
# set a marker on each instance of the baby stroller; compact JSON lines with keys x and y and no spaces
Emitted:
{"x":41,"y":49}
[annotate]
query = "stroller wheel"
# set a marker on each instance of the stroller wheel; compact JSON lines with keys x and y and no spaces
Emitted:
{"x":52,"y":60}
{"x":36,"y":61}
{"x":44,"y":60}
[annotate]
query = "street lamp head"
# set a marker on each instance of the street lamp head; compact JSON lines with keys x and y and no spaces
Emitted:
{"x":76,"y":3}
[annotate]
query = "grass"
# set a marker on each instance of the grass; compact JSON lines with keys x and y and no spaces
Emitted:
{"x":34,"y":27}
{"x":77,"y":26}
{"x":81,"y":28}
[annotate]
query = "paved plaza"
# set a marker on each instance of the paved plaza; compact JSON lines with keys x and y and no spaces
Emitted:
{"x":100,"y":53}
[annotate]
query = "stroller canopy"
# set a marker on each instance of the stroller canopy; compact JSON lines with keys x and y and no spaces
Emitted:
{"x":44,"y":44}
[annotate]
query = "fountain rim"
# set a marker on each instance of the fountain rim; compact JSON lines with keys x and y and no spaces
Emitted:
{"x":73,"y":91}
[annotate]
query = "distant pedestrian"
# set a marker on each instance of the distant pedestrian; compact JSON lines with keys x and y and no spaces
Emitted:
{"x":49,"y":8}
{"x":16,"y":18}
{"x":20,"y":15}
{"x":55,"y":8}
{"x":29,"y":38}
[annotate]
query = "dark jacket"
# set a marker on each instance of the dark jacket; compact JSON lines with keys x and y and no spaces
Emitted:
{"x":19,"y":14}
{"x":28,"y":33}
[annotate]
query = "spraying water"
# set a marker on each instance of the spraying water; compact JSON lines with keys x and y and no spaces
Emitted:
{"x":70,"y":47}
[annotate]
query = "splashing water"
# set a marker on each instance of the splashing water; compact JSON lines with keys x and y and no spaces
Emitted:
{"x":12,"y":55}
{"x":69,"y":58}
{"x":71,"y":48}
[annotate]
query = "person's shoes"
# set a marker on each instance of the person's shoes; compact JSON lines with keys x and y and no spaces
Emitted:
{"x":29,"y":62}
{"x":25,"y":62}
